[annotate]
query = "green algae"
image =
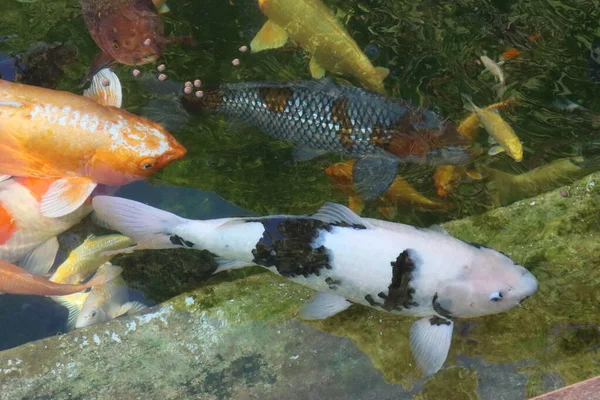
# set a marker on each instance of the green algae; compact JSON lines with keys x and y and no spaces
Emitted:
{"x":453,"y":383}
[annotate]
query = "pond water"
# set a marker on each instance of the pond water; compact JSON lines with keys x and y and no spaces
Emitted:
{"x":432,"y":49}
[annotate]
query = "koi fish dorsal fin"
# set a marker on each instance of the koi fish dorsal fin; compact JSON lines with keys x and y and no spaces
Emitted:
{"x":333,"y":213}
{"x":270,"y":36}
{"x":65,"y":196}
{"x":316,"y":70}
{"x":430,"y":342}
{"x":105,"y":89}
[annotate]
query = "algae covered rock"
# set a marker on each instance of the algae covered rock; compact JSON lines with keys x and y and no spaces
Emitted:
{"x":236,"y":336}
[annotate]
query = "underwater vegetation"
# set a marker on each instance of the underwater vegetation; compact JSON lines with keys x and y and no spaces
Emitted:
{"x":433,"y":53}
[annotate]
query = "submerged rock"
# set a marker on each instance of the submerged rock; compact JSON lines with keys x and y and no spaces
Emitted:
{"x":235,"y":336}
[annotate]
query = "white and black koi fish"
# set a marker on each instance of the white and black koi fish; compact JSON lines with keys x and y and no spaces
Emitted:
{"x":348,"y":259}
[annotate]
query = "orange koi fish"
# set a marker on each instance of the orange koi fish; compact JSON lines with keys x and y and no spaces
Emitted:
{"x":78,"y":141}
{"x":129,"y":32}
{"x":398,"y":193}
{"x":341,"y":176}
{"x":26,"y":236}
{"x":15,"y":280}
{"x":510,"y":54}
{"x":447,"y":177}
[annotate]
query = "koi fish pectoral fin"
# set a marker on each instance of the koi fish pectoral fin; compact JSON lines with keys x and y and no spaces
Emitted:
{"x":323,"y":305}
{"x":4,"y":178}
{"x":65,"y":196}
{"x":40,"y":260}
{"x":72,"y":309}
{"x":373,"y":176}
{"x":430,"y":340}
{"x":132,"y":307}
{"x":316,"y":70}
{"x":105,"y":89}
{"x":163,"y":9}
{"x":495,"y":150}
{"x":270,"y":36}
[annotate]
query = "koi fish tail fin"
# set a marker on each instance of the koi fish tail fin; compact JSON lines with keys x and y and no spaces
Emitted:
{"x":504,"y":188}
{"x":149,"y":227}
{"x":500,"y":89}
{"x":106,"y":273}
{"x":382,"y":72}
{"x":468,"y":102}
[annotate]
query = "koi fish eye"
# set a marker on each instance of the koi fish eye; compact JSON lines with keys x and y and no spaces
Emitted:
{"x":496,"y":296}
{"x":148,"y":163}
{"x":93,"y":314}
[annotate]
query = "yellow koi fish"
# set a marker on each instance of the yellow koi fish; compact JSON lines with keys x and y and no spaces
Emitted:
{"x":469,"y":127}
{"x":310,"y":24}
{"x":499,"y":130}
{"x":506,"y":188}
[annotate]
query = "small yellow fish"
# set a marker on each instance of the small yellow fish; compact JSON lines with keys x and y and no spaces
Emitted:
{"x":447,"y":177}
{"x":399,"y":193}
{"x":107,"y":302}
{"x":403,"y":193}
{"x":469,"y":127}
{"x":90,"y":255}
{"x":498,"y":129}
{"x":311,"y":24}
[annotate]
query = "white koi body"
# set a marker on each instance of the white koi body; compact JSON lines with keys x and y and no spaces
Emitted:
{"x":348,"y":259}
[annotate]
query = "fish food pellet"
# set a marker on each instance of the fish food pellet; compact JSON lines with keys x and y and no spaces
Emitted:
{"x":197,"y":83}
{"x":187,"y":90}
{"x":136,"y":73}
{"x":162,"y":77}
{"x":236,"y":62}
{"x":161,"y":68}
{"x":199,"y":93}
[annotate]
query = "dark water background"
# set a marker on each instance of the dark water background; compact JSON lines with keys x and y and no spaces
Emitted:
{"x":431,"y":49}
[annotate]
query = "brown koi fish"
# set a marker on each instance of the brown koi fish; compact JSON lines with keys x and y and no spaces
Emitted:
{"x":129,"y":32}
